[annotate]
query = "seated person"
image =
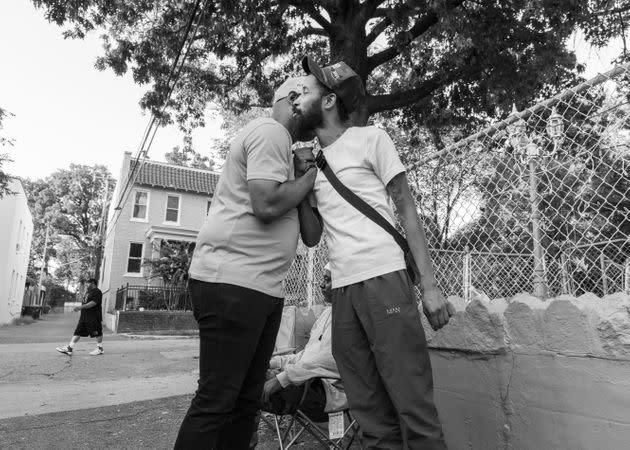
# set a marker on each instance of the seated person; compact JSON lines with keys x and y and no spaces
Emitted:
{"x":289,"y":372}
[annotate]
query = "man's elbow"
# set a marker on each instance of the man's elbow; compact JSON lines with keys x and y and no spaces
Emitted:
{"x":311,"y":239}
{"x":265,"y":213}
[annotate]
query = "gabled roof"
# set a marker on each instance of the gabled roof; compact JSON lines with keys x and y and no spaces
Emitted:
{"x":170,"y":176}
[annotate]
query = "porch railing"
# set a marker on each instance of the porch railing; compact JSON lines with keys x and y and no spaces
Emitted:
{"x":137,"y":298}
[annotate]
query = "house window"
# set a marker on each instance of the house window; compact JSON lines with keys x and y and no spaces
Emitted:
{"x":134,"y":262}
{"x":172,"y":208}
{"x":140,"y":202}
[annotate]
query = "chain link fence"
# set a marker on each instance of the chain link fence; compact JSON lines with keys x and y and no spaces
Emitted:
{"x":538,"y":203}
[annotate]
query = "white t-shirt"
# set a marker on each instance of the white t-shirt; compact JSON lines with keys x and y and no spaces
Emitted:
{"x":365,"y":160}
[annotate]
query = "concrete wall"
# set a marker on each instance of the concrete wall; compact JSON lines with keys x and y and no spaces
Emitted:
{"x":525,"y":374}
{"x":16,"y":232}
{"x":155,"y":321}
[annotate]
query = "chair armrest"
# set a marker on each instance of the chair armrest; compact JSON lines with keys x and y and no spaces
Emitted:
{"x":283,"y":351}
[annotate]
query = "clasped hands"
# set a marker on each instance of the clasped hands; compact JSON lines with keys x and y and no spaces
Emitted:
{"x":303,"y":160}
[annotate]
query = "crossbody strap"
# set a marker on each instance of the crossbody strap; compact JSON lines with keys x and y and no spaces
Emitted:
{"x":359,"y":203}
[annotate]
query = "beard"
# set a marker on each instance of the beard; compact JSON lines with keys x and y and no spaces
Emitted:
{"x":307,"y":120}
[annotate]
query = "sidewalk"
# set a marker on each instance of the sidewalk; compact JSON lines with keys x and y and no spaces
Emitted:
{"x":51,"y":327}
{"x":36,"y":379}
{"x":134,"y":396}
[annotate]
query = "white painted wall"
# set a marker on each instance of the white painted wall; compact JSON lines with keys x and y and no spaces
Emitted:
{"x":16,"y":233}
{"x":526,"y":374}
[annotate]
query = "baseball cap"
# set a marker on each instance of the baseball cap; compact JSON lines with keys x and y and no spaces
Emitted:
{"x":340,"y":79}
{"x":290,"y":84}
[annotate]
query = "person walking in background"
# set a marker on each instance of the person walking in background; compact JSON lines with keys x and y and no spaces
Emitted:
{"x":377,"y":337}
{"x":242,"y":256}
{"x":90,"y":320}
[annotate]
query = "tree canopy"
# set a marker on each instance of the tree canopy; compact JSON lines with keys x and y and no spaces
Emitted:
{"x":70,"y":202}
{"x":443,"y":61}
{"x":187,"y":156}
{"x":4,"y":157}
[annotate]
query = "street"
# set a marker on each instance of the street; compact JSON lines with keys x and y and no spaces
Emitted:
{"x":51,"y":400}
{"x":134,"y":396}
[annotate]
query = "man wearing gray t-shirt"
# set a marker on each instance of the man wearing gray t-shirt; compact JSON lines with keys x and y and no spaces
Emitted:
{"x":243,"y":253}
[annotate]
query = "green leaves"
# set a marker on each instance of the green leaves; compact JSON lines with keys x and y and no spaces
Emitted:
{"x":70,"y":201}
{"x":474,"y":58}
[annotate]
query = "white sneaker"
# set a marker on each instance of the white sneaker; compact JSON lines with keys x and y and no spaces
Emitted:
{"x":97,"y":351}
{"x":65,"y":349}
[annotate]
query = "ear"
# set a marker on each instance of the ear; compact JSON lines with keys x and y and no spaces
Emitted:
{"x":329,"y":101}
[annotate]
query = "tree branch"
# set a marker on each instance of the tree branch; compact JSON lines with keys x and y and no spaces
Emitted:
{"x":313,"y":31}
{"x":419,"y":28}
{"x":382,"y":12}
{"x":378,"y":29}
{"x":369,"y":8}
{"x":309,"y":8}
{"x":379,"y":103}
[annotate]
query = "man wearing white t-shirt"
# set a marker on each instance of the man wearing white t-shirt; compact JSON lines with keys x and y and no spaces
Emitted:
{"x":377,"y":338}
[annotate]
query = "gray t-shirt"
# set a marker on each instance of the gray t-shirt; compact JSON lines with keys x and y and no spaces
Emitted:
{"x":234,"y":246}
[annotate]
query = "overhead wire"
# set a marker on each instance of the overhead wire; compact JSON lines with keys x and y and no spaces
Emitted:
{"x":141,"y":150}
{"x":151,"y":129}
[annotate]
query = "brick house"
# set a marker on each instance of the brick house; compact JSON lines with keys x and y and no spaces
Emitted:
{"x":166,"y":203}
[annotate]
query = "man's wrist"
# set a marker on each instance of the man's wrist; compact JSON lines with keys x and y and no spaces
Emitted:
{"x":430,"y":286}
{"x":283,"y":379}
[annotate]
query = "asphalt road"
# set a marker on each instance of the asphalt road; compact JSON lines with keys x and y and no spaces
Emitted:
{"x":134,"y":396}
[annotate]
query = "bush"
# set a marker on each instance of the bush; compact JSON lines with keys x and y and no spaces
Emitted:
{"x":151,"y":300}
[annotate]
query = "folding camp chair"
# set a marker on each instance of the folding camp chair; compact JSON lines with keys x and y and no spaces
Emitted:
{"x":285,"y":340}
{"x":291,"y":423}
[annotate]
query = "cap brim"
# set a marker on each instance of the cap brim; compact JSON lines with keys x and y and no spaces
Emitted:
{"x":311,"y":67}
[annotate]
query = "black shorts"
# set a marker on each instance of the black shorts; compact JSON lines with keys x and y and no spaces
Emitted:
{"x":88,"y":327}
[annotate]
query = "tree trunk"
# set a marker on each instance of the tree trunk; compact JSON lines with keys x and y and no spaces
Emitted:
{"x":349,"y":45}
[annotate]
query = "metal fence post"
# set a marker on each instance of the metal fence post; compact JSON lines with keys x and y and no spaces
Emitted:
{"x":125,"y":297}
{"x":626,"y":272}
{"x":467,"y":275}
{"x":540,"y":287}
{"x":564,"y":272}
{"x":602,"y":262}
{"x":310,"y":276}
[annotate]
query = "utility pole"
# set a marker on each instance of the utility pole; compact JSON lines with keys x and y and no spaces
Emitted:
{"x":41,"y":270}
{"x":101,"y":233}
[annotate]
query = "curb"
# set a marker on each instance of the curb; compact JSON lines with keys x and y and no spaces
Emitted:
{"x":181,"y":334}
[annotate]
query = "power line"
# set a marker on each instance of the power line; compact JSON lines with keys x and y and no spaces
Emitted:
{"x":151,"y":129}
{"x":153,"y":118}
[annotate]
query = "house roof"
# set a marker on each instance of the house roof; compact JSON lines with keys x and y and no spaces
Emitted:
{"x":170,"y":176}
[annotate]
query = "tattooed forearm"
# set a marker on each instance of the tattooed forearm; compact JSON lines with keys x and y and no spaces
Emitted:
{"x":396,"y":191}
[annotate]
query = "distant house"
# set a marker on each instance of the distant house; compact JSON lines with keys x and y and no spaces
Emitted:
{"x":166,"y":203}
{"x":16,"y":233}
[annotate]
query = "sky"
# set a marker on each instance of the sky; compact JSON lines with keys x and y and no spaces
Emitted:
{"x":66,"y":111}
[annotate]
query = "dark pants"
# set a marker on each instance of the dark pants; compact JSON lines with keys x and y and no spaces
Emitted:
{"x":237,"y":333}
{"x":313,"y":406}
{"x":381,"y":352}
